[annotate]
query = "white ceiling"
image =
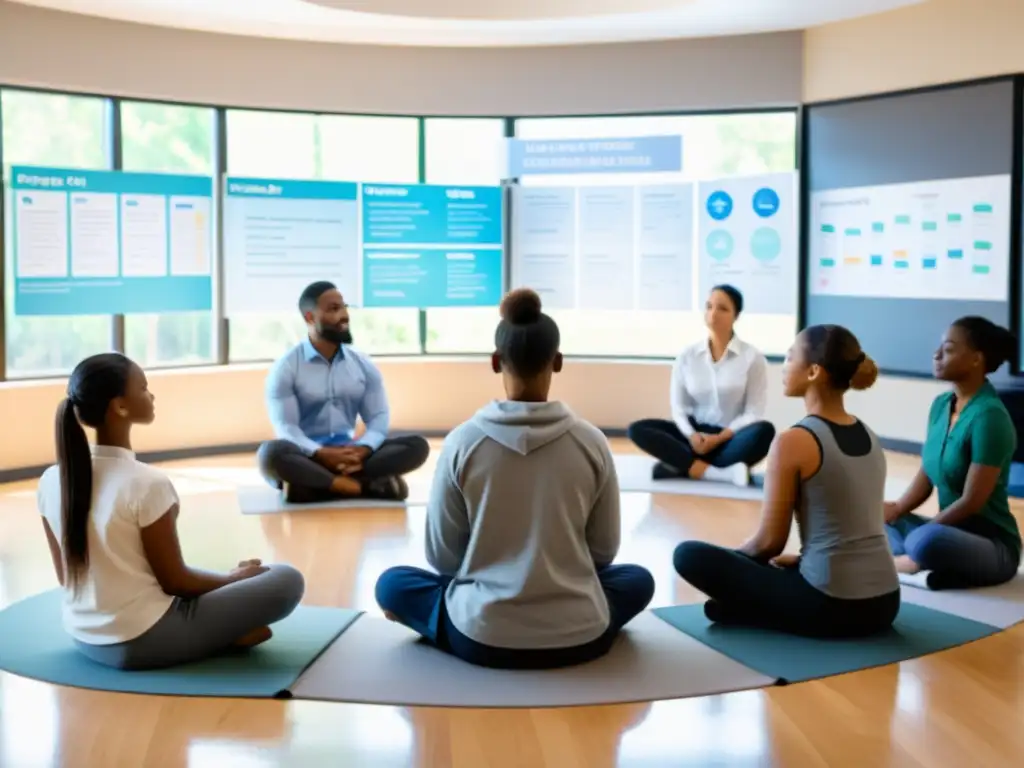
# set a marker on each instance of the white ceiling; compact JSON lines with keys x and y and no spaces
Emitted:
{"x":478,"y":23}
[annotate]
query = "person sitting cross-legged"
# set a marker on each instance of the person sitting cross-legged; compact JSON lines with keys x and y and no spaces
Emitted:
{"x":975,"y":540}
{"x":718,"y":393}
{"x":827,"y":473}
{"x":315,"y":393}
{"x":523,"y":524}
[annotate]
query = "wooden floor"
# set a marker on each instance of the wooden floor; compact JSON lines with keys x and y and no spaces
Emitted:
{"x":959,"y":708}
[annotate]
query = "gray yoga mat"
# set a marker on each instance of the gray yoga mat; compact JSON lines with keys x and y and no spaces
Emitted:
{"x":635,"y":477}
{"x":918,"y":631}
{"x":264,"y":500}
{"x":34,"y":644}
{"x":380,"y":662}
{"x":1001,"y":606}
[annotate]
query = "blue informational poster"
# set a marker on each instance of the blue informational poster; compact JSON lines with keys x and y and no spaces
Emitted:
{"x":110,"y":242}
{"x":282,"y":235}
{"x":432,"y":246}
{"x":747,"y":235}
{"x":644,"y":154}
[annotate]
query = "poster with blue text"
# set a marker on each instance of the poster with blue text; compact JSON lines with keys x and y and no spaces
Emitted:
{"x":747,"y":237}
{"x":432,"y":246}
{"x":110,"y":242}
{"x":281,"y":235}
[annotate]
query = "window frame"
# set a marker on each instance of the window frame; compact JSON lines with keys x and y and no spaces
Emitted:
{"x":221,"y":323}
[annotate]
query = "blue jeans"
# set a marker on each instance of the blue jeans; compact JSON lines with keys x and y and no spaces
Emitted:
{"x":416,"y":598}
{"x":957,"y":559}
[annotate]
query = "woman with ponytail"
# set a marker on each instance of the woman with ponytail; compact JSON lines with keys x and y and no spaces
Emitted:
{"x":522,"y":523}
{"x":111,"y":522}
{"x":974,"y":541}
{"x":828,"y":471}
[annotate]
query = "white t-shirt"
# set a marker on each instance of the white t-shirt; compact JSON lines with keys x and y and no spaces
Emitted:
{"x":120,"y":597}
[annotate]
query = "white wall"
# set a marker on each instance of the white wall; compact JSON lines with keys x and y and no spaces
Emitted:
{"x":57,"y":50}
{"x":940,"y":40}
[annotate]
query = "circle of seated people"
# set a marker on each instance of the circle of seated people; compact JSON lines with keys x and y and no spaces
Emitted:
{"x":523,"y":530}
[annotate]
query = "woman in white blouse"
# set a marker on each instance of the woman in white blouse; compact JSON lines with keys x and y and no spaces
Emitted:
{"x":719,"y":389}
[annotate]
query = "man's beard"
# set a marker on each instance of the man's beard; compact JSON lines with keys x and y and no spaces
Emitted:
{"x":335,"y":335}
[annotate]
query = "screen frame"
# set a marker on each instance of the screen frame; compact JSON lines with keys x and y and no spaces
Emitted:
{"x":1016,"y":203}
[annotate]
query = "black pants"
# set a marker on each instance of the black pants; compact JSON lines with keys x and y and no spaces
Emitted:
{"x":282,"y":461}
{"x":664,"y":441}
{"x":746,"y":592}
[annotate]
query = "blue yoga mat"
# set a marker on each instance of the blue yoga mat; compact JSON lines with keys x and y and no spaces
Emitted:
{"x":34,"y":644}
{"x":917,"y":632}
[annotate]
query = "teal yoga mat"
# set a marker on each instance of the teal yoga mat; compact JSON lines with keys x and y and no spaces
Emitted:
{"x":917,"y":632}
{"x":34,"y":644}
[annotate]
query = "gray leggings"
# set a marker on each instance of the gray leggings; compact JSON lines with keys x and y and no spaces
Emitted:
{"x":204,"y":626}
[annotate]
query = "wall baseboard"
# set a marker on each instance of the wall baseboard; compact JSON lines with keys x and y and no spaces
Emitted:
{"x":182,"y":454}
{"x":901,"y":446}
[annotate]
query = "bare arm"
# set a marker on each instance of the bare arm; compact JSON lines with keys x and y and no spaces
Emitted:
{"x":790,"y":456}
{"x":163,"y":551}
{"x":993,"y":443}
{"x":981,"y":482}
{"x":917,"y":493}
{"x":55,"y":553}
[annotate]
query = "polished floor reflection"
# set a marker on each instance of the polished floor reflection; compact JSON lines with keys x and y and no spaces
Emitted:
{"x":958,"y":708}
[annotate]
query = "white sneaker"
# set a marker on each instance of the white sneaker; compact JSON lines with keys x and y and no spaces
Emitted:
{"x":737,"y":474}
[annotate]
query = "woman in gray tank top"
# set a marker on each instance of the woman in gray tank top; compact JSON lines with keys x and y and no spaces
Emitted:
{"x":828,"y":472}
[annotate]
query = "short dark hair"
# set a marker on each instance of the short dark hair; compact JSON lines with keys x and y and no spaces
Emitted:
{"x":734,"y":296}
{"x":526,"y":339}
{"x":839,"y":353}
{"x":311,"y":295}
{"x":995,"y":343}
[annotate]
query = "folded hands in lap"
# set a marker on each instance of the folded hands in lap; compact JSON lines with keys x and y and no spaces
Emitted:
{"x":344,"y":459}
{"x":702,"y":442}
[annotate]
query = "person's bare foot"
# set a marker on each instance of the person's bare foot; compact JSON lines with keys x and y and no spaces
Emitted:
{"x":905,"y":565}
{"x":254,"y":638}
{"x":390,"y":616}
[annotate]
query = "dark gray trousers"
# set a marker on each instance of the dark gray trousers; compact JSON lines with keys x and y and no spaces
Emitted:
{"x":203,"y":626}
{"x":281,"y":461}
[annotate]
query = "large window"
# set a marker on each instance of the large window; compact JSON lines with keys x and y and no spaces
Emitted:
{"x":78,"y":132}
{"x":69,"y":132}
{"x":713,"y":146}
{"x":163,"y":138}
{"x":463,"y":151}
{"x":334,"y":147}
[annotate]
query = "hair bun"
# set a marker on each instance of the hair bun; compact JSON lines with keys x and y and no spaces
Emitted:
{"x":865,"y":375}
{"x":521,"y":306}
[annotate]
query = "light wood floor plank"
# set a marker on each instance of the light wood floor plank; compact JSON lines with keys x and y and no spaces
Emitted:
{"x":959,"y":708}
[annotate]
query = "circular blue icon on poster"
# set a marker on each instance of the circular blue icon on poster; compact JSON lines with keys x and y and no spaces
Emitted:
{"x":766,"y":244}
{"x":719,"y":245}
{"x":719,"y":205}
{"x":766,"y":202}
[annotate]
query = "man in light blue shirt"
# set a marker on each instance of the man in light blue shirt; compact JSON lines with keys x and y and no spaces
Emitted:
{"x":315,"y":393}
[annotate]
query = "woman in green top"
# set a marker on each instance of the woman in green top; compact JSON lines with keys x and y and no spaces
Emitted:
{"x":974,"y":541}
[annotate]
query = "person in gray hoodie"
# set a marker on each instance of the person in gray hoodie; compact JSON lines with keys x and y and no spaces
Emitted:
{"x":523,"y":524}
